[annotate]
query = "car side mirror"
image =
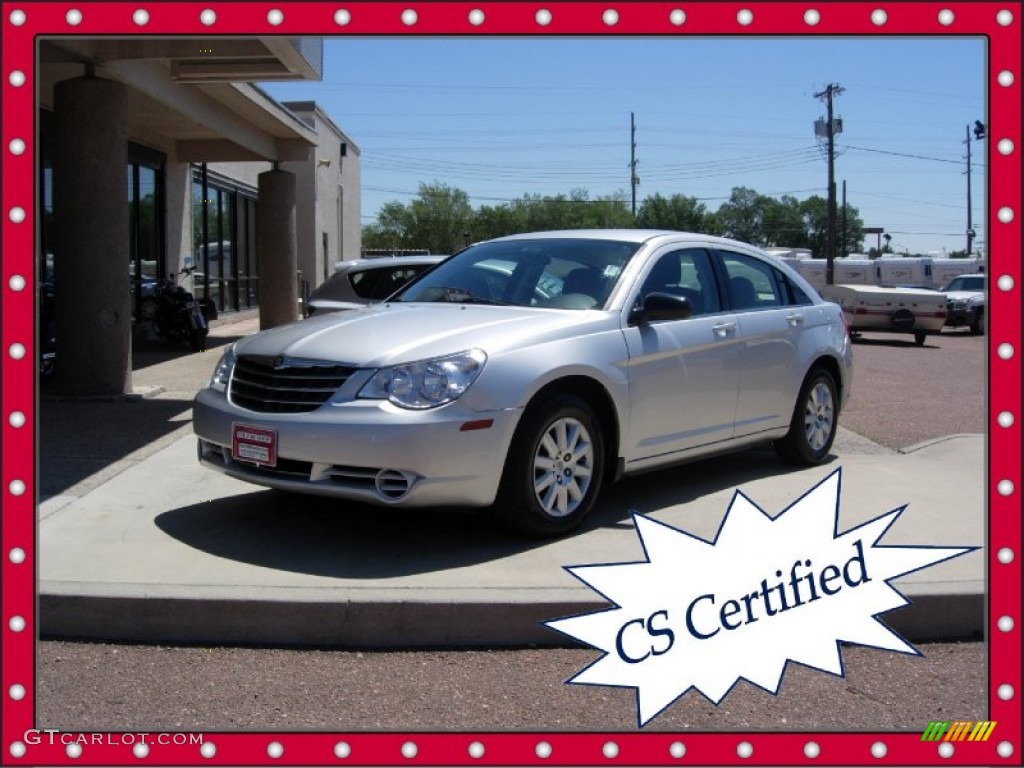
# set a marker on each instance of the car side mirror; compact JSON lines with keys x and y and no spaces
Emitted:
{"x":658,"y":307}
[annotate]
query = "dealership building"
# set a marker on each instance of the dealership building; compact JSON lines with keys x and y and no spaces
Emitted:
{"x":157,"y":155}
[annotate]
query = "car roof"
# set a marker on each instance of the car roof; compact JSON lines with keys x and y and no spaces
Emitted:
{"x":388,"y":261}
{"x":625,"y":235}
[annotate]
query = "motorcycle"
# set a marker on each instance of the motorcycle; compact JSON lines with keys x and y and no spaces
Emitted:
{"x":177,"y":314}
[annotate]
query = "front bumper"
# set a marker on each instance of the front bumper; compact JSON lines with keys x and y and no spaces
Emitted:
{"x":367,"y":450}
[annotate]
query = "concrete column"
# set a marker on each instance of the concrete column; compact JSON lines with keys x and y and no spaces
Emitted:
{"x":90,"y":203}
{"x":276,"y":248}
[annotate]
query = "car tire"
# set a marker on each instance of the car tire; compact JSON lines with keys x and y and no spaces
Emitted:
{"x":812,"y":429}
{"x":978,"y":323}
{"x":554,"y":468}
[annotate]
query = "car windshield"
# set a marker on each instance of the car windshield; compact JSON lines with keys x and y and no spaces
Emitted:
{"x":553,"y":273}
{"x":966,"y":284}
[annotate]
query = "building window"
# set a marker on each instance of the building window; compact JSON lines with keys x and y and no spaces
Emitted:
{"x":224,"y":241}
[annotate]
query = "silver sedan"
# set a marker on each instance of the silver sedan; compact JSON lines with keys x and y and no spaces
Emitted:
{"x":525,"y":372}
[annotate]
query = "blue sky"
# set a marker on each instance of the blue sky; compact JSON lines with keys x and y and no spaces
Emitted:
{"x":502,"y":117}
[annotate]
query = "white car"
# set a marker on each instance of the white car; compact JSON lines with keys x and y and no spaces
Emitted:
{"x":525,"y":372}
{"x":358,"y":282}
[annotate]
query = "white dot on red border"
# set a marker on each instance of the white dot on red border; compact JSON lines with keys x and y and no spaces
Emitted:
{"x":1005,"y":487}
{"x":342,"y":17}
{"x":409,"y":750}
{"x":16,"y":283}
{"x":17,"y":749}
{"x":1005,"y":749}
{"x":16,"y":419}
{"x":16,"y":624}
{"x":16,"y":78}
{"x":1005,"y":78}
{"x":409,"y":17}
{"x":476,"y":750}
{"x":1005,"y":146}
{"x":275,"y":749}
{"x":16,"y":556}
{"x":1004,"y":18}
{"x":745,"y":749}
{"x":208,"y":17}
{"x":543,"y":750}
{"x":342,"y":750}
{"x":812,"y":749}
{"x":141,"y":17}
{"x":812,"y":18}
{"x":677,"y":17}
{"x":476,"y":17}
{"x":1005,"y":282}
{"x":17,"y":351}
{"x":16,"y":692}
{"x":1005,"y":692}
{"x":879,"y":750}
{"x":74,"y":751}
{"x":141,"y":750}
{"x":610,"y":750}
{"x":1005,"y":624}
{"x":16,"y":487}
{"x":208,"y":749}
{"x":946,"y":17}
{"x":17,"y":147}
{"x":677,"y":749}
{"x":879,"y":17}
{"x":73,"y":17}
{"x":17,"y":214}
{"x":610,"y":17}
{"x":745,"y":17}
{"x":946,"y":750}
{"x":1005,"y":351}
{"x":275,"y":16}
{"x":1005,"y":214}
{"x":17,"y":17}
{"x":543,"y":17}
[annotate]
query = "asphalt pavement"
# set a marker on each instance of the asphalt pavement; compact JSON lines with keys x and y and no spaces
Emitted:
{"x":139,"y":543}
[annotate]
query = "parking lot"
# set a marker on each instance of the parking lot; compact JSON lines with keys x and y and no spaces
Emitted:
{"x":904,"y":395}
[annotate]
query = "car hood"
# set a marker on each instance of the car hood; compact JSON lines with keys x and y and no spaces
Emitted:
{"x":963,"y":295}
{"x":388,"y":334}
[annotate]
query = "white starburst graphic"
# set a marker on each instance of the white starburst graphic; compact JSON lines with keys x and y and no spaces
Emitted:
{"x":765,"y":592}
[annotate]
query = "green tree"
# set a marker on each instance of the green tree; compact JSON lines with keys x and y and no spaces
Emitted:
{"x":679,"y":212}
{"x":741,"y":217}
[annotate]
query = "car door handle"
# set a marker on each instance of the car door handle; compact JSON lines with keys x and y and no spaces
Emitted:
{"x":795,"y":320}
{"x":723,"y":329}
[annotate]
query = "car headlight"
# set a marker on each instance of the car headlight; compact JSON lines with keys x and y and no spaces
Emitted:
{"x":222,"y":373}
{"x":428,"y":383}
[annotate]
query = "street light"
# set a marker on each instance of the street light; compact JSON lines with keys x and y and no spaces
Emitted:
{"x":979,"y":134}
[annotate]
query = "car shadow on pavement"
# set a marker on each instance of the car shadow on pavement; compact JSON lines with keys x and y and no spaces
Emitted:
{"x":147,"y":353}
{"x":342,"y":539}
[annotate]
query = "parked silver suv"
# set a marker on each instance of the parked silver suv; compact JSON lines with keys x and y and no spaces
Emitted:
{"x":527,"y":371}
{"x":965,"y":302}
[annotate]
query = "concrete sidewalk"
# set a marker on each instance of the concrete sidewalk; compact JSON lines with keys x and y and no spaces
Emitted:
{"x":152,"y":547}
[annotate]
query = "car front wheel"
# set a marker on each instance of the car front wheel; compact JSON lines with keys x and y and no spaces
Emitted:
{"x":554,"y":467}
{"x":815,"y":418}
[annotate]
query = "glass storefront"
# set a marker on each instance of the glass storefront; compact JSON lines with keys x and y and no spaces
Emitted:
{"x":224,"y":241}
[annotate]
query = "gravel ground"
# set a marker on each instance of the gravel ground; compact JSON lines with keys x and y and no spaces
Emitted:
{"x":108,"y":687}
{"x":904,"y":394}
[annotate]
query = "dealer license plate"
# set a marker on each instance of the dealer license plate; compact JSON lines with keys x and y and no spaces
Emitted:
{"x":254,"y":445}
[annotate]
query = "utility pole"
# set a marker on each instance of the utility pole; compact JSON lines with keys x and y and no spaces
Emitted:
{"x":843,"y":247}
{"x":633,"y":178}
{"x":830,"y":131}
{"x":979,"y":133}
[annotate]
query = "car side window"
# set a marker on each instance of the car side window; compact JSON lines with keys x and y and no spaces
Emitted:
{"x":790,"y":291}
{"x":685,"y":273}
{"x":378,"y":284}
{"x":750,"y":282}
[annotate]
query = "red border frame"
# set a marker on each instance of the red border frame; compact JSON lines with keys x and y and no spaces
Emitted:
{"x":517,"y":18}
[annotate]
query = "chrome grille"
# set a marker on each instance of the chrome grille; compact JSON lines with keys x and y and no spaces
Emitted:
{"x":276,"y":385}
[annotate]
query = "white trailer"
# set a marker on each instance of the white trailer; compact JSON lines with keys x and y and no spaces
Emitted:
{"x":904,"y":271}
{"x":853,"y":271}
{"x":880,"y":309}
{"x":944,"y":270}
